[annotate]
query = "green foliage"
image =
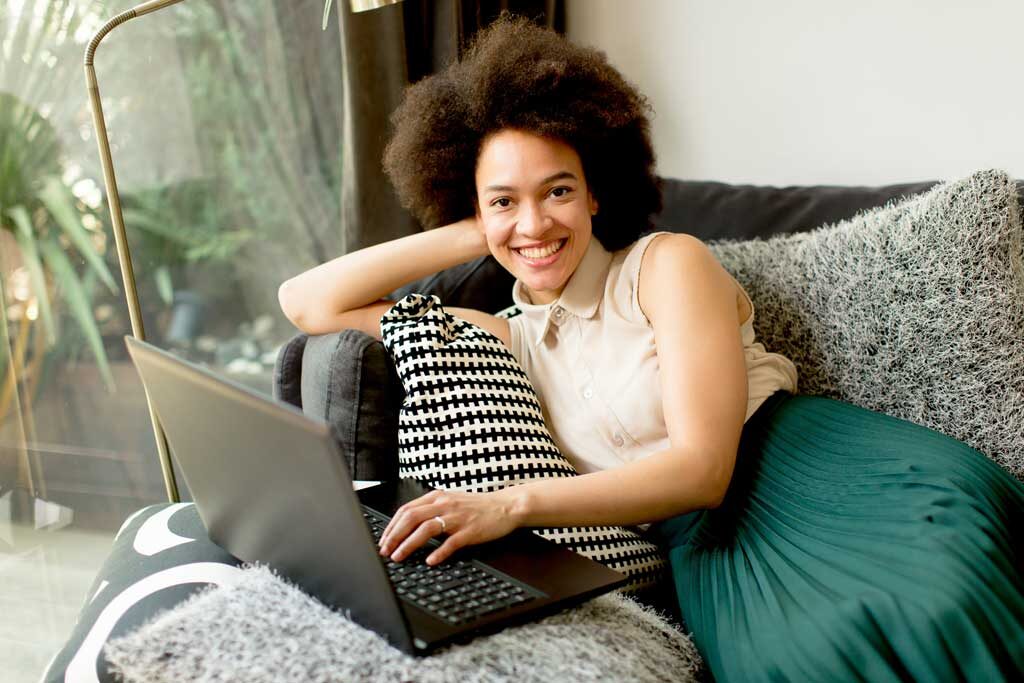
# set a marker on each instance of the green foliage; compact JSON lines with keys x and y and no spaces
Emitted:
{"x":266,"y":130}
{"x":37,"y":207}
{"x":266,"y":135}
{"x":263,"y":107}
{"x":179,"y":224}
{"x":46,"y":220}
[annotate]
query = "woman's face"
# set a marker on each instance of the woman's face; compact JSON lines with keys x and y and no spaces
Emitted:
{"x":535,"y":209}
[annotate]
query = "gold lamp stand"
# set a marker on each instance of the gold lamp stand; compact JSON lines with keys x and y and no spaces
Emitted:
{"x":124,"y":257}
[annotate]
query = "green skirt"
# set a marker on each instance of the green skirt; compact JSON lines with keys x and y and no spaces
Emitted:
{"x":854,"y":546}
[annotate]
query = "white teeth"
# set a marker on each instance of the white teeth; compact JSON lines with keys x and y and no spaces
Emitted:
{"x":542,"y":252}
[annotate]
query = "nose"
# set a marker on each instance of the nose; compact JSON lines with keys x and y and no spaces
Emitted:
{"x":533,"y":221}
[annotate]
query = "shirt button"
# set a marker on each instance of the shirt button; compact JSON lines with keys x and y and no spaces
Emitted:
{"x":618,"y":440}
{"x":558,"y":311}
{"x":588,"y":393}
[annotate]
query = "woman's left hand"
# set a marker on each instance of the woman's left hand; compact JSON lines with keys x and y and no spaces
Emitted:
{"x":469,"y":518}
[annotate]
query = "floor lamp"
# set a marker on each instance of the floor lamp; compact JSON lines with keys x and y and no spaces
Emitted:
{"x":124,"y":257}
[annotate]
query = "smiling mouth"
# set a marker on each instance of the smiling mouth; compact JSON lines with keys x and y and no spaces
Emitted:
{"x":539,"y":253}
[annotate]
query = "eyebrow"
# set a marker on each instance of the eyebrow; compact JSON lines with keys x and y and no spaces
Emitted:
{"x":550,"y":179}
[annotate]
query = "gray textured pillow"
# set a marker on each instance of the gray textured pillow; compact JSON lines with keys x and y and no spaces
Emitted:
{"x":261,"y":629}
{"x":915,"y":310}
{"x":348,"y":380}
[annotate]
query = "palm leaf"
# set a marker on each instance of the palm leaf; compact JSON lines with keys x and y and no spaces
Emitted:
{"x":4,"y":355}
{"x":156,"y":225}
{"x":23,"y":233}
{"x":60,"y":203}
{"x":327,"y":14}
{"x":81,"y":309}
{"x":5,"y":341}
{"x":163,"y":284}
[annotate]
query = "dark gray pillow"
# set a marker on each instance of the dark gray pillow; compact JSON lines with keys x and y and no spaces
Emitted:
{"x":482,"y":283}
{"x":915,"y":310}
{"x":717,"y":211}
{"x":346,"y":379}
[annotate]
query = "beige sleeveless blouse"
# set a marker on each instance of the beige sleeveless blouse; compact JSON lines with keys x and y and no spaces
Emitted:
{"x":592,"y":359}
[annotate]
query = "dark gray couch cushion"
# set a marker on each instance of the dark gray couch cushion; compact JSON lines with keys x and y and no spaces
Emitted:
{"x":346,"y":379}
{"x":288,"y":371}
{"x":715,"y":211}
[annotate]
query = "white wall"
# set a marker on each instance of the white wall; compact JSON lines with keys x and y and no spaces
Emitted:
{"x":821,"y":91}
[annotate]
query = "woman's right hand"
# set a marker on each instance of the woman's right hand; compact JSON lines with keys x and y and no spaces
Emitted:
{"x":472,"y":232}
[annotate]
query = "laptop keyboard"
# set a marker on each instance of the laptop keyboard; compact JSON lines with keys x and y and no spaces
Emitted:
{"x":455,"y":591}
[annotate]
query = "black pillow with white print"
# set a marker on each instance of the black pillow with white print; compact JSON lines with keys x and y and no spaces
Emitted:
{"x":471,"y":421}
{"x":161,"y":556}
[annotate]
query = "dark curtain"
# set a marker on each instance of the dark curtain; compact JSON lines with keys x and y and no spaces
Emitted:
{"x":384,"y":50}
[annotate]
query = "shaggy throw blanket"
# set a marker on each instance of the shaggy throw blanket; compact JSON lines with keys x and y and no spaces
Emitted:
{"x":262,"y":628}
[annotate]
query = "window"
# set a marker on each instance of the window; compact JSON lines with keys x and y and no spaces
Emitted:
{"x":225,"y":123}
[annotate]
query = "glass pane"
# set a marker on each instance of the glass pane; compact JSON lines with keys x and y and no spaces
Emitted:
{"x":224,"y":120}
{"x":228,"y":164}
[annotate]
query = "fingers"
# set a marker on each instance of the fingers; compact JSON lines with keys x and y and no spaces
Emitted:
{"x":399,"y":519}
{"x":451,"y":544}
{"x":410,"y":520}
{"x":415,"y":523}
{"x":423,"y":533}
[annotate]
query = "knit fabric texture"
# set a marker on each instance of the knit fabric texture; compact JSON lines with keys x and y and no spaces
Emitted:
{"x":915,"y":309}
{"x":261,"y":629}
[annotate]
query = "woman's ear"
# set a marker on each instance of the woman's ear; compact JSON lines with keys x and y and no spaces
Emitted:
{"x":592,"y":202}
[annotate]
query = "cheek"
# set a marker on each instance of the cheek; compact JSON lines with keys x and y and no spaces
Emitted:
{"x":497,"y":229}
{"x":571,"y":213}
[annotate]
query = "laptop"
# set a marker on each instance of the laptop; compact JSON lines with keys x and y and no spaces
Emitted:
{"x":272,"y":486}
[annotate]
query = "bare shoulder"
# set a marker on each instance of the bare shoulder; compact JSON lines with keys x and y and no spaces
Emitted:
{"x":674,"y":247}
{"x":675,"y":263}
{"x":492,"y":323}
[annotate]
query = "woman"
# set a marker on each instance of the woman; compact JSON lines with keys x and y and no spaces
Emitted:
{"x":548,"y":182}
{"x":643,"y":353}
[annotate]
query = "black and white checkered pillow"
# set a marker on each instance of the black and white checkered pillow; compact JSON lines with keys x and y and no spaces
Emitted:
{"x":471,"y":421}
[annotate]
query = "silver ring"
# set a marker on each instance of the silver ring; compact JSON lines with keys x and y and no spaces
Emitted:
{"x":444,"y":527}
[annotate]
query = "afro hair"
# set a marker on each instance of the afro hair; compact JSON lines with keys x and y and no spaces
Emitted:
{"x":517,"y":75}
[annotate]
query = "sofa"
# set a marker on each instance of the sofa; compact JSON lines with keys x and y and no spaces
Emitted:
{"x":851,"y":283}
{"x":348,"y":380}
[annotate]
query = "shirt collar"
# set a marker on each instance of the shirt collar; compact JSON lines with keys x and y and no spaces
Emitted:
{"x":581,"y":296}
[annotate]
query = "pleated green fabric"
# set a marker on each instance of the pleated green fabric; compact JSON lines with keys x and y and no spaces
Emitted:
{"x":854,"y":546}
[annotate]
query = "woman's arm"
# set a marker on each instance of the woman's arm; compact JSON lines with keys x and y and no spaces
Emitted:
{"x":660,"y":486}
{"x":704,"y":398}
{"x":346,"y":292}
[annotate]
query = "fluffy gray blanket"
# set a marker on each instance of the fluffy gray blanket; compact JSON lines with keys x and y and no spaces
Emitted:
{"x":262,"y":629}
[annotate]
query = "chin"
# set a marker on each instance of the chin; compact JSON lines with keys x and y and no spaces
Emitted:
{"x":544,"y":288}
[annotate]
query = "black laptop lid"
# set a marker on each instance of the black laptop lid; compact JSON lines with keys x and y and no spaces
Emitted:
{"x":270,"y":486}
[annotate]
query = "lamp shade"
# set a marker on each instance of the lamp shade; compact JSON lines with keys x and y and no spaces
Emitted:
{"x":364,"y":5}
{"x":357,"y":6}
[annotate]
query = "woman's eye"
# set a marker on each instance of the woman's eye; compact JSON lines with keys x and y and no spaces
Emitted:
{"x":560,"y":191}
{"x":503,"y":202}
